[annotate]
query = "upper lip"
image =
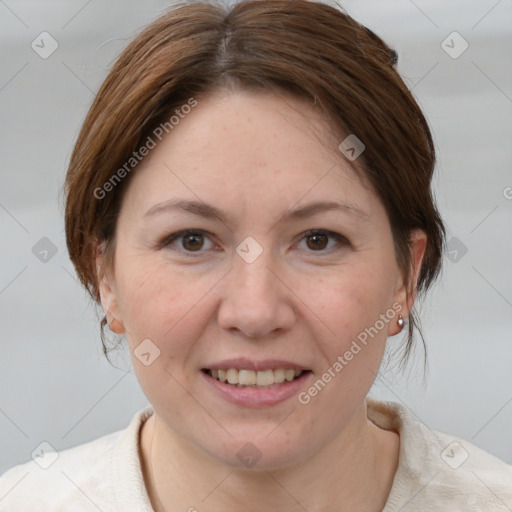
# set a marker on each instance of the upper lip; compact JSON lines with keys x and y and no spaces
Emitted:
{"x":242,"y":363}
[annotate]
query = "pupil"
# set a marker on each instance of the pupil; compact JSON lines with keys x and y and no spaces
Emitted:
{"x":316,"y":239}
{"x":194,"y":244}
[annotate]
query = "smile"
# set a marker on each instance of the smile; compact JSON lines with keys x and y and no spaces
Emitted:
{"x":255,"y":379}
{"x":255,"y":388}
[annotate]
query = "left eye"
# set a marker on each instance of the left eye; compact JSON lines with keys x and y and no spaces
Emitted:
{"x":318,"y":239}
{"x":192,"y":241}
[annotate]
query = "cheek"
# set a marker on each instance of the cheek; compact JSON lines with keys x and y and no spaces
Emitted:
{"x":145,"y":300}
{"x":351,"y":305}
{"x":349,"y":300}
{"x":164,"y":304}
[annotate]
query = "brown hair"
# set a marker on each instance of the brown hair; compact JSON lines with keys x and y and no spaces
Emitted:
{"x":312,"y":50}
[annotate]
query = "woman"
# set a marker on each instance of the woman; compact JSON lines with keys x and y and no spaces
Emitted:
{"x":249,"y":200}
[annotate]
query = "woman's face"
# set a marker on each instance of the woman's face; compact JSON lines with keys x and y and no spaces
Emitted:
{"x":251,"y":289}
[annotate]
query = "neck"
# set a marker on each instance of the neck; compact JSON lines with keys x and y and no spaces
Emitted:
{"x":352,"y":472}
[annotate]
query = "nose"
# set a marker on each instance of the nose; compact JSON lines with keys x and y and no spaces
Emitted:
{"x":256,"y":300}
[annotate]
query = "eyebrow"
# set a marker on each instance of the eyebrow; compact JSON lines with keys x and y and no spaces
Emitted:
{"x":208,"y":211}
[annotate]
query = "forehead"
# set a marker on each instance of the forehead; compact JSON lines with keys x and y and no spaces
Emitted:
{"x":256,"y":149}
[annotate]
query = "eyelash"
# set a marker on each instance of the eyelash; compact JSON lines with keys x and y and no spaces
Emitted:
{"x":167,"y":241}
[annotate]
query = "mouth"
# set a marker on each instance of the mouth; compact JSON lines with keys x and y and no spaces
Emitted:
{"x":246,"y":378}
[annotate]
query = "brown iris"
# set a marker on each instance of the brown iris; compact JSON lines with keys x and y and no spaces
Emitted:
{"x":193,"y":241}
{"x":319,"y":241}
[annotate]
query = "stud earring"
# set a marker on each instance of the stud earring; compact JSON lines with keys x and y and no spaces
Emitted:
{"x":400,"y":322}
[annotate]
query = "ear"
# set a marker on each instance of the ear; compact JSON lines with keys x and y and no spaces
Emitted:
{"x":107,"y":289}
{"x":417,"y":246}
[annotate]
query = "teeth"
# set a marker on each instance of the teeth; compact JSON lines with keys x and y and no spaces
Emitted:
{"x":289,"y":375}
{"x":252,"y":378}
{"x":279,"y":376}
{"x":265,"y":378}
{"x":232,"y":376}
{"x":246,"y":377}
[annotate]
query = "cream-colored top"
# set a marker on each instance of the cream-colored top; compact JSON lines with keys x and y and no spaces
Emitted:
{"x":436,"y":472}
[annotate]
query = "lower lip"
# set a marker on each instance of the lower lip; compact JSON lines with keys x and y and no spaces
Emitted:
{"x":254,"y":397}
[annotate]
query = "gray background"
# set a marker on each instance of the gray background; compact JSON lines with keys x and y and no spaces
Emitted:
{"x":56,"y":385}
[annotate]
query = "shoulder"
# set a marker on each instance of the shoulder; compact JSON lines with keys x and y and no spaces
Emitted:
{"x":437,"y":469}
{"x":82,"y":477}
{"x":57,"y":478}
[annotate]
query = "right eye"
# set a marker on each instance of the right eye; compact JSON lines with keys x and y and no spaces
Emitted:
{"x":192,"y":241}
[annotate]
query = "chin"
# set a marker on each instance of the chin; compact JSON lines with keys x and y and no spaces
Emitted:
{"x":258,"y":452}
